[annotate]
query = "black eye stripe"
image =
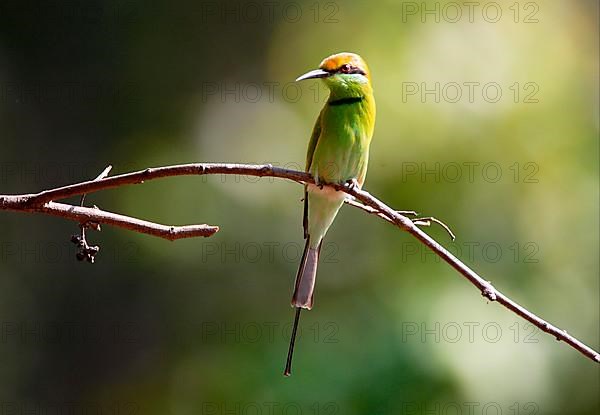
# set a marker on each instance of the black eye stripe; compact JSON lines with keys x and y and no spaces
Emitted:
{"x":356,"y":70}
{"x":351,"y":70}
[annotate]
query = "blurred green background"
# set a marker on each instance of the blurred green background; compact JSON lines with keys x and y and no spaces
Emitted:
{"x":201,"y":326}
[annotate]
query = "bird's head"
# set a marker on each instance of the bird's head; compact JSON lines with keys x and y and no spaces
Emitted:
{"x":343,"y":73}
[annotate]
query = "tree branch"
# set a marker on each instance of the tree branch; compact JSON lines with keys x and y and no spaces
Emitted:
{"x":44,"y":202}
{"x":85,"y":214}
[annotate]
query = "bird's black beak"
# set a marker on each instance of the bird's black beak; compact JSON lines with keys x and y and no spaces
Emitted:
{"x":317,"y":73}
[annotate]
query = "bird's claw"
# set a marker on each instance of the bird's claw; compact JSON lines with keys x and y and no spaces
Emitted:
{"x":352,"y":184}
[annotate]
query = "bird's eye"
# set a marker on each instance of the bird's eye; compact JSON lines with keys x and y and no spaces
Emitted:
{"x":345,"y":68}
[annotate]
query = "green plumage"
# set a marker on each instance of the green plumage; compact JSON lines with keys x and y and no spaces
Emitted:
{"x":338,"y":152}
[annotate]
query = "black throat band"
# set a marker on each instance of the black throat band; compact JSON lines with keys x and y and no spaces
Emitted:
{"x":346,"y":101}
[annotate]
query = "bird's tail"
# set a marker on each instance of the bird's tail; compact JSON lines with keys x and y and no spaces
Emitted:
{"x":306,"y":277}
{"x":303,"y":293}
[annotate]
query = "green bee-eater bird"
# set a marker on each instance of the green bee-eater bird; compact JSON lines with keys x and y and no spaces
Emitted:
{"x":338,"y":152}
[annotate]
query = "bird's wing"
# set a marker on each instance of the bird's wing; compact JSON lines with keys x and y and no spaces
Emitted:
{"x":312,"y":144}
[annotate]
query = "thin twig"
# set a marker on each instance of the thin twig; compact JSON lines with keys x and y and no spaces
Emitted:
{"x":101,"y":176}
{"x":43,"y":202}
{"x":426,"y":221}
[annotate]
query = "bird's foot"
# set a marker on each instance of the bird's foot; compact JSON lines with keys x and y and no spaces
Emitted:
{"x":352,"y":184}
{"x":319,"y":182}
